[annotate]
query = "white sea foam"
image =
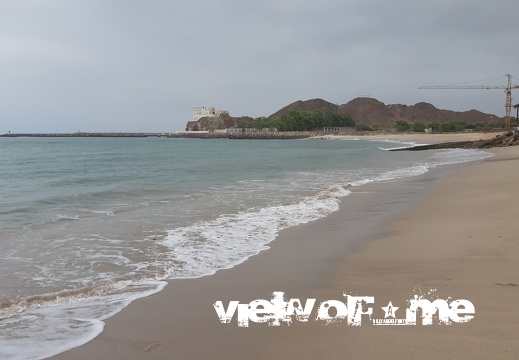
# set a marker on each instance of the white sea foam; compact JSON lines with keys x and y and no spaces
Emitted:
{"x":104,"y":212}
{"x":64,"y":321}
{"x":205,"y":247}
{"x":38,"y":327}
{"x":406,"y":144}
{"x":67,"y":217}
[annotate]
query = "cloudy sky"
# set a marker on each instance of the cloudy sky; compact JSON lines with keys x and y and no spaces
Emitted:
{"x":130,"y":65}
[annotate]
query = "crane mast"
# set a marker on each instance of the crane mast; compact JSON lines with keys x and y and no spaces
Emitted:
{"x":508,"y":91}
{"x":508,"y":103}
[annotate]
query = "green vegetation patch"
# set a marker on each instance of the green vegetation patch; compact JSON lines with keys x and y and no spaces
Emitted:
{"x":299,"y":121}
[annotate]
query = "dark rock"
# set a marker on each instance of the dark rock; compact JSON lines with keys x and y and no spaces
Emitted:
{"x":510,"y":138}
{"x":223,"y":121}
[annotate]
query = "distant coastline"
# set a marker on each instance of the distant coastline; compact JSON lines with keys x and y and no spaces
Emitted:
{"x":194,"y":134}
{"x":285,"y":135}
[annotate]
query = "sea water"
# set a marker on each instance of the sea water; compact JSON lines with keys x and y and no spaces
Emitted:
{"x":88,"y":225}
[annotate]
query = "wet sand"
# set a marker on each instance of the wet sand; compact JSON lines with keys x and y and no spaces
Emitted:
{"x":462,"y":243}
{"x":453,"y":230}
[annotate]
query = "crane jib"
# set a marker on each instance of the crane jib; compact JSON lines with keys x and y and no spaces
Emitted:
{"x":508,"y":91}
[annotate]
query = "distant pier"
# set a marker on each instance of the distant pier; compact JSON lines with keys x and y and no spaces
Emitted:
{"x":183,"y":134}
{"x":86,"y":134}
{"x":243,"y":135}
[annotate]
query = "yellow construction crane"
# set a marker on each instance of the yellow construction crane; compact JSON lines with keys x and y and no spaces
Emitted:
{"x":508,"y":91}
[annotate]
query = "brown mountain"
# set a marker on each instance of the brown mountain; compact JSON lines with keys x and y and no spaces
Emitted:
{"x":371,"y":112}
{"x":364,"y":111}
{"x":308,"y":105}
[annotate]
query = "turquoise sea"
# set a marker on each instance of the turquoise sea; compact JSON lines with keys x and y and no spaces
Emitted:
{"x":87,"y":225}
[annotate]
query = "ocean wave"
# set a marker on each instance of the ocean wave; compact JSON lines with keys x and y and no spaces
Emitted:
{"x":197,"y":249}
{"x":207,"y":246}
{"x":49,"y":324}
{"x":222,"y":243}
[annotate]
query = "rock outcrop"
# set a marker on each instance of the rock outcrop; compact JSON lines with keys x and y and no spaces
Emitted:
{"x":223,"y":121}
{"x":511,"y":138}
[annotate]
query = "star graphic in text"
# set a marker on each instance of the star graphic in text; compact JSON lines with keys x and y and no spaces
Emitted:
{"x":390,"y":310}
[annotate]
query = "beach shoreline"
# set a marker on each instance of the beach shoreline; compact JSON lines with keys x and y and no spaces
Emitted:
{"x":420,"y":138}
{"x":458,"y":244}
{"x":321,"y":259}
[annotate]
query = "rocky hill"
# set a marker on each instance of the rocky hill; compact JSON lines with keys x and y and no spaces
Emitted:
{"x":223,"y":121}
{"x":371,"y":112}
{"x":308,"y":106}
{"x":364,"y":111}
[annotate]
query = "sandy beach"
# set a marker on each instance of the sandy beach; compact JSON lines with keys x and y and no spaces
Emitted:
{"x":449,"y":234}
{"x":461,"y":243}
{"x":417,"y":137}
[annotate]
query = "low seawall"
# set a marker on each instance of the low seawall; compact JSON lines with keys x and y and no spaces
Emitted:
{"x":270,"y":135}
{"x":183,"y":134}
{"x":84,"y":134}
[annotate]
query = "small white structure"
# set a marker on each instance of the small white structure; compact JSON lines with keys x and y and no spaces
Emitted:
{"x":204,"y":111}
{"x":337,"y":129}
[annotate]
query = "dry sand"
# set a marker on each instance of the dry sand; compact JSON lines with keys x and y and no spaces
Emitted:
{"x":455,"y":233}
{"x":462,"y":242}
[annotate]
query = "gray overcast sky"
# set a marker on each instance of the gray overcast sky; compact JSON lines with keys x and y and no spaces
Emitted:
{"x":129,"y":65}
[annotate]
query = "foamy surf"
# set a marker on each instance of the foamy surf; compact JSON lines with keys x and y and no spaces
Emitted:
{"x":222,"y":243}
{"x":222,"y":214}
{"x":53,"y":323}
{"x":404,"y":144}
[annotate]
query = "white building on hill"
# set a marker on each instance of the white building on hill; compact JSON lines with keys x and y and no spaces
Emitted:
{"x":204,"y":111}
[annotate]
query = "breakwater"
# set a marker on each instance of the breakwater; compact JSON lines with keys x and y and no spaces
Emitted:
{"x":269,"y":135}
{"x":510,"y":138}
{"x":183,"y":134}
{"x":85,"y":134}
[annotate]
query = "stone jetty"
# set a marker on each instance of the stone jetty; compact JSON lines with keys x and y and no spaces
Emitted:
{"x":246,"y":136}
{"x":510,"y":138}
{"x":85,"y":134}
